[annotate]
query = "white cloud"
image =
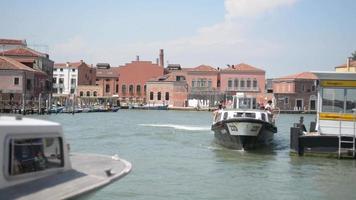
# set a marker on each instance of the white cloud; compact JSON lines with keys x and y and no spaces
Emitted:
{"x":248,"y":8}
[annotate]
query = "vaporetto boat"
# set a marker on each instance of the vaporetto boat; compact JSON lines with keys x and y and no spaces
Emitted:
{"x":36,"y":163}
{"x":243,"y":128}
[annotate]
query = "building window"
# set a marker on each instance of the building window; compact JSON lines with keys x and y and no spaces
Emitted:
{"x":145,"y":88}
{"x":117,"y":88}
{"x":303,"y":88}
{"x":159,"y":96}
{"x":107,"y":88}
{"x":167,"y":96}
{"x":73,"y":70}
{"x":151,"y":95}
{"x":55,"y":69}
{"x":88,"y":93}
{"x":34,"y":154}
{"x":54,"y":80}
{"x":123,"y":89}
{"x":72,"y":91}
{"x":131,"y":89}
{"x":81,"y":93}
{"x":29,"y":84}
{"x":248,"y":83}
{"x":193,"y":83}
{"x":209,"y":83}
{"x":313,"y":88}
{"x":16,"y":81}
{"x":61,"y":80}
{"x":73,"y":81}
{"x":61,"y":69}
{"x":236,"y":83}
{"x":95,"y":94}
{"x":138,"y":89}
{"x":286,"y":100}
{"x":60,"y":90}
{"x":242,"y":83}
{"x":229,"y":83}
{"x":254,"y":83}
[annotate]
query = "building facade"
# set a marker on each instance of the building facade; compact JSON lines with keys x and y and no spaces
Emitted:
{"x":107,"y":79}
{"x":68,"y":76}
{"x":349,"y":66}
{"x":296,"y":92}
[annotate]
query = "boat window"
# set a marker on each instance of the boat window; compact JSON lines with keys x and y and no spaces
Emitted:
{"x":238,"y":114}
{"x":333,"y":100}
{"x":226,"y":115}
{"x":350,"y":100}
{"x":263,"y":117}
{"x":35,"y":154}
{"x":250,"y":115}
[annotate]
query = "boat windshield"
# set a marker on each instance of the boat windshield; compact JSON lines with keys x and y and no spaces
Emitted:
{"x":35,"y":154}
{"x":245,"y":114}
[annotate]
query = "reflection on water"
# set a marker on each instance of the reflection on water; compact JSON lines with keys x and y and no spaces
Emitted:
{"x":174,"y":156}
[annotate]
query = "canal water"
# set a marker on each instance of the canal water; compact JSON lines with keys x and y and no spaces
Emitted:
{"x":174,"y":157}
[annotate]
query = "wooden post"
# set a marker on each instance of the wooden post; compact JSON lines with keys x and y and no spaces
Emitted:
{"x":39,"y":104}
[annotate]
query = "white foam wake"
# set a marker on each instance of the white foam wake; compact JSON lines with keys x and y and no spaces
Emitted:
{"x":179,"y":127}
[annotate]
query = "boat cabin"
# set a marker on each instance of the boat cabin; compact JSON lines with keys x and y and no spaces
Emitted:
{"x":31,"y":149}
{"x":336,"y":114}
{"x":231,"y":114}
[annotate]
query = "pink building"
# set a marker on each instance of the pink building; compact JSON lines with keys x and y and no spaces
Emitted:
{"x":243,"y":78}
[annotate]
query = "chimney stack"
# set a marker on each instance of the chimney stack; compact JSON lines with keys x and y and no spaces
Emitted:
{"x":137,"y":58}
{"x":161,"y":58}
{"x":81,"y":61}
{"x":348,"y":60}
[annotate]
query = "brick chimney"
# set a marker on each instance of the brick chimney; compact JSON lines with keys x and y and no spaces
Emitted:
{"x":161,"y":58}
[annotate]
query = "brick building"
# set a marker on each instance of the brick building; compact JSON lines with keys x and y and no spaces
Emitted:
{"x":107,"y":79}
{"x":37,"y":61}
{"x":133,"y":78}
{"x":296,"y":92}
{"x":19,"y":83}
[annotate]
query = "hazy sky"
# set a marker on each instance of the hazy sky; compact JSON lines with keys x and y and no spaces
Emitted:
{"x":279,"y":36}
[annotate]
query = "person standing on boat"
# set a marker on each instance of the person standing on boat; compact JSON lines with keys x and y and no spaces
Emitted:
{"x":269,"y":106}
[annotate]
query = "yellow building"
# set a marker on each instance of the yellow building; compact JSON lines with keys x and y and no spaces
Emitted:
{"x":349,"y":66}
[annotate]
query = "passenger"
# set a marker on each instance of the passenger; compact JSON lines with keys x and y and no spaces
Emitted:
{"x":269,"y":107}
{"x":40,"y":161}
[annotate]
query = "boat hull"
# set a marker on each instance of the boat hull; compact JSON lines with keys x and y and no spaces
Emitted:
{"x":243,"y":134}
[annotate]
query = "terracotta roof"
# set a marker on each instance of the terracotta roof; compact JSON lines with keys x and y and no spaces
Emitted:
{"x":12,"y":42}
{"x":352,"y":64}
{"x":203,"y":68}
{"x":303,"y":75}
{"x":23,"y":51}
{"x":68,"y":64}
{"x":242,"y":67}
{"x":25,"y":60}
{"x":107,"y":73}
{"x":7,"y":63}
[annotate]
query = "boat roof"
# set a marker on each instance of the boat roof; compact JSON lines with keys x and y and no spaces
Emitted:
{"x":331,"y":75}
{"x":243,"y":110}
{"x":18,"y":120}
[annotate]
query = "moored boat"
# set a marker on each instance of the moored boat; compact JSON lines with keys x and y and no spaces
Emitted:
{"x":243,"y":129}
{"x":36,"y":163}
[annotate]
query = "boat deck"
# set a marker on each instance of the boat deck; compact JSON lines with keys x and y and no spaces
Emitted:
{"x":89,"y":172}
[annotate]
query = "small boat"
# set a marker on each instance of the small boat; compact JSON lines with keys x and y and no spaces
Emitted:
{"x":36,"y":163}
{"x":243,"y":128}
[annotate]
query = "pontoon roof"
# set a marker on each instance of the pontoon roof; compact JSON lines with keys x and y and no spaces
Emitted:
{"x":331,"y":75}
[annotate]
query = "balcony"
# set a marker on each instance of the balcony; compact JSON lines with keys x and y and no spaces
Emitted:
{"x":243,"y":89}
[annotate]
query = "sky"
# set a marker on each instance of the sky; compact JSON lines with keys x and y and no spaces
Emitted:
{"x":282,"y":37}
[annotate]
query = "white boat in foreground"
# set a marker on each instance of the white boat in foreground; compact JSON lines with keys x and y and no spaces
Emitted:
{"x":243,"y":127}
{"x":36,"y":164}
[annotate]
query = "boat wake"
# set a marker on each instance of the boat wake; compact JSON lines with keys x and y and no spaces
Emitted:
{"x":179,"y":127}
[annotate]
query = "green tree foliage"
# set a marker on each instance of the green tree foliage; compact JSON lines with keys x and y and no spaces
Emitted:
{"x":353,"y":55}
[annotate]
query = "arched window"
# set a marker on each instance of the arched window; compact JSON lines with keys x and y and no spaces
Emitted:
{"x":159,"y":96}
{"x":123,"y":89}
{"x":107,"y":88}
{"x":167,"y":96}
{"x":138,"y":89}
{"x":81,"y":93}
{"x":145,"y":88}
{"x":95,"y":94}
{"x":131,"y":89}
{"x":151,"y":95}
{"x":117,"y":88}
{"x":88,"y":93}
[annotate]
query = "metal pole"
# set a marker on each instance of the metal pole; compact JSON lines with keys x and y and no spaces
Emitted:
{"x":39,"y":104}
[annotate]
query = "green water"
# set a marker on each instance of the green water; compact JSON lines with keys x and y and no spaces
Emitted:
{"x":174,"y":157}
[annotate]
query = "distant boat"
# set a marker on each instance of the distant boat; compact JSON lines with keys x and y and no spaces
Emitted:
{"x":37,"y":164}
{"x":150,"y":107}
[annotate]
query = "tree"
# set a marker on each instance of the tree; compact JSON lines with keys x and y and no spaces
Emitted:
{"x":353,"y":55}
